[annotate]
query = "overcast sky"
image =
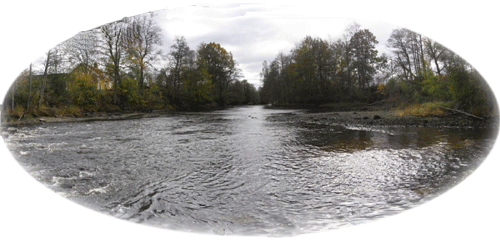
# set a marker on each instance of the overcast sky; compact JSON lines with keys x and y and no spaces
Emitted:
{"x":254,"y":33}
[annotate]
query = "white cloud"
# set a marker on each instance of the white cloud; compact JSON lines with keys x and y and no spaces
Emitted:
{"x":254,"y":33}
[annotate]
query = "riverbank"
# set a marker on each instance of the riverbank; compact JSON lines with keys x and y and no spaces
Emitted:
{"x":374,"y":118}
{"x":87,"y":117}
{"x":22,"y":118}
{"x":371,"y":117}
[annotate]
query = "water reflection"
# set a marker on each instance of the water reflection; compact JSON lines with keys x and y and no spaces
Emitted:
{"x":349,"y":145}
{"x":340,"y":139}
{"x":238,"y":171}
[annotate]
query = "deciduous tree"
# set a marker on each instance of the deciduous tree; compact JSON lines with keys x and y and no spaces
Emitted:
{"x":180,"y":57}
{"x":365,"y":59}
{"x":46,"y":64}
{"x":141,"y":38}
{"x":83,"y":48}
{"x":219,"y":67}
{"x":113,"y":49}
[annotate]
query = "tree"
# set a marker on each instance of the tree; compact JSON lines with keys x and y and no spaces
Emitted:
{"x":141,"y":38}
{"x":436,"y":52}
{"x":180,"y":56}
{"x":305,"y":76}
{"x":29,"y":86}
{"x":346,"y":54}
{"x":83,"y":48}
{"x":307,"y":82}
{"x":399,"y":43}
{"x":113,"y":50}
{"x":409,"y":57}
{"x":219,"y":67}
{"x":57,"y":60}
{"x":277,"y":79}
{"x":13,"y":93}
{"x":46,"y":65}
{"x":364,"y":57}
{"x":19,"y":90}
{"x":318,"y":71}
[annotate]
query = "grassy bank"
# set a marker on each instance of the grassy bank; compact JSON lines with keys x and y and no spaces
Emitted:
{"x":72,"y":113}
{"x":430,"y":109}
{"x":383,"y":113}
{"x":21,"y":115}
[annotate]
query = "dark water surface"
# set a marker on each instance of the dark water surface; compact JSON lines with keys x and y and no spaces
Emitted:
{"x":241,"y":171}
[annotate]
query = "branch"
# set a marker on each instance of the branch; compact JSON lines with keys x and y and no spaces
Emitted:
{"x":458,"y":111}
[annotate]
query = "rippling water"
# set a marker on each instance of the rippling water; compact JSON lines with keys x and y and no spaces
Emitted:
{"x":243,"y":171}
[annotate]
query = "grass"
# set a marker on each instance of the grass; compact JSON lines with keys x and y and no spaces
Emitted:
{"x":17,"y":112}
{"x":42,"y":111}
{"x":429,"y":109}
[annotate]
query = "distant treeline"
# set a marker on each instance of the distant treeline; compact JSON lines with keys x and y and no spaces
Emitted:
{"x":120,"y":67}
{"x":417,"y":71}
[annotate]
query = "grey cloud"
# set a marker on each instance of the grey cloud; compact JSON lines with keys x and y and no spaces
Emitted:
{"x":254,"y":33}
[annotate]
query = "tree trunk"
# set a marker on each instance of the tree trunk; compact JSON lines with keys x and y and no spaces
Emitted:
{"x":44,"y":79}
{"x":42,"y":89}
{"x":29,"y":92}
{"x":462,"y":112}
{"x":115,"y":86}
{"x":13,"y":93}
{"x":421,"y":46}
{"x":437,"y":67}
{"x":141,"y":80}
{"x":114,"y":92}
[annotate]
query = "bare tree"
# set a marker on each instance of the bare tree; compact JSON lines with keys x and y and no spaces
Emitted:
{"x":365,"y":59}
{"x":57,"y":60}
{"x":179,"y":57}
{"x":436,"y":52}
{"x":46,"y":66}
{"x":141,"y":38}
{"x":113,"y":49}
{"x":402,"y":53}
{"x":347,"y":55}
{"x":13,"y":93}
{"x":83,"y":48}
{"x":29,"y":87}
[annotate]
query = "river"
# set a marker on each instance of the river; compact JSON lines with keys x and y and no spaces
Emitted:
{"x":242,"y":171}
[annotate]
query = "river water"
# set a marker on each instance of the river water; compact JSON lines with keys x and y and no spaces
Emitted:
{"x":243,"y":171}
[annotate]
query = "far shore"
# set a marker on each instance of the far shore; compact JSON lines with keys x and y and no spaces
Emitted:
{"x":87,"y":117}
{"x":389,"y":118}
{"x":370,"y":117}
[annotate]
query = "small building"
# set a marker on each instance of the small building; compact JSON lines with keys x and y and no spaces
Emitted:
{"x":97,"y":76}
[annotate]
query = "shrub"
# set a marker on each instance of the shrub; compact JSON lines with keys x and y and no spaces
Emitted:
{"x":468,"y":93}
{"x":17,"y":112}
{"x":422,"y":110}
{"x":43,"y":111}
{"x":129,"y":92}
{"x":73,"y":110}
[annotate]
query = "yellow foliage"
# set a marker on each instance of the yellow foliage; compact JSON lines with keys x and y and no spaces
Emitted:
{"x":420,"y":110}
{"x":17,"y":112}
{"x":381,"y":89}
{"x":73,"y":110}
{"x":90,"y":76}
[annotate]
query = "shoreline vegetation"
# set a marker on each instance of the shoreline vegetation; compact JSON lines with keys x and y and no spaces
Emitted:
{"x":119,"y":71}
{"x":384,"y":116}
{"x":362,"y":115}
